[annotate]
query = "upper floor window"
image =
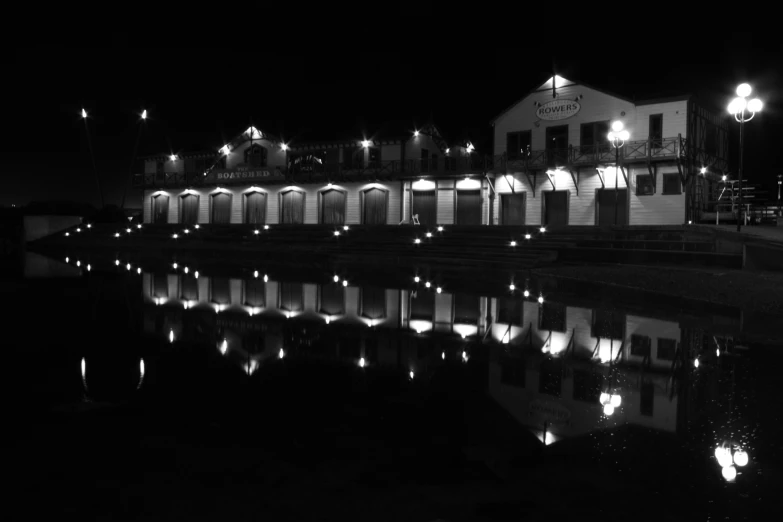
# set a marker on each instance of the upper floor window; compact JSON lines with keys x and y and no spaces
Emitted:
{"x":518,"y":144}
{"x":255,"y":156}
{"x":656,"y":130}
{"x":671,"y":184}
{"x":595,"y":135}
{"x":159,"y":167}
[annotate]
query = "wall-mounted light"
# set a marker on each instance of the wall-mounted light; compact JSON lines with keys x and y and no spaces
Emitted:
{"x":283,"y":146}
{"x":416,"y":133}
{"x":447,"y":151}
{"x":173,"y":157}
{"x":84,"y":113}
{"x":365,"y":143}
{"x":144,"y":114}
{"x":225,"y":150}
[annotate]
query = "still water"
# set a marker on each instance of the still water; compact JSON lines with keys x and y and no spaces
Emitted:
{"x":185,"y":389}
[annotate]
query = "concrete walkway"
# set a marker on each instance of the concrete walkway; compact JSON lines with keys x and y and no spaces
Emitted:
{"x":772,"y":234}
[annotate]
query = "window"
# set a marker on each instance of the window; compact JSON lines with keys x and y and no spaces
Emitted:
{"x":667,"y":348}
{"x":587,"y":386}
{"x":509,"y":311}
{"x":450,"y":163}
{"x":671,"y":184}
{"x":422,"y":305}
{"x":425,"y":156}
{"x":434,"y":162}
{"x":640,"y":345}
{"x":608,"y":324}
{"x":512,"y":371}
{"x":518,"y":144}
{"x":550,"y":379}
{"x":375,"y":158}
{"x":656,"y":131}
{"x":644,"y":185}
{"x":552,"y":316}
{"x":256,"y":156}
{"x":159,"y":167}
{"x":189,"y":288}
{"x":291,"y":296}
{"x":353,"y":158}
{"x":466,"y":308}
{"x":255,"y":292}
{"x":593,"y":137}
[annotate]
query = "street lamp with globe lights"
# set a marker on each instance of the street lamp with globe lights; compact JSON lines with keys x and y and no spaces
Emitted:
{"x":738,"y":107}
{"x":730,"y":455}
{"x":618,"y":136}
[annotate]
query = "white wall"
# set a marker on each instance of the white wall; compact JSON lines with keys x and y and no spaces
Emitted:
{"x":238,"y":192}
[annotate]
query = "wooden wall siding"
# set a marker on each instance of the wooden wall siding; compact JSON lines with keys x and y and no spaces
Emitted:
{"x":391,"y":152}
{"x":275,"y":155}
{"x":595,"y":106}
{"x":675,"y":119}
{"x":414,"y":145}
{"x":658,"y":209}
{"x":445,"y":202}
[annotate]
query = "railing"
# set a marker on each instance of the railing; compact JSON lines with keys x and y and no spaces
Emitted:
{"x":651,"y":149}
{"x":323,"y":171}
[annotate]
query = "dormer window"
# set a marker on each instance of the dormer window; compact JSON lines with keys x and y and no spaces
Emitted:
{"x":255,"y":156}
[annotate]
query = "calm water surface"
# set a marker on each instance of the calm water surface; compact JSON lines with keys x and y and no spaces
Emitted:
{"x":185,"y":390}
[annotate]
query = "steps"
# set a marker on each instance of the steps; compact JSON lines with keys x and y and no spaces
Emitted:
{"x":395,"y":245}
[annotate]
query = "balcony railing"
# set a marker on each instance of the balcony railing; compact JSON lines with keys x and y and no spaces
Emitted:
{"x":317,"y":172}
{"x":585,"y":155}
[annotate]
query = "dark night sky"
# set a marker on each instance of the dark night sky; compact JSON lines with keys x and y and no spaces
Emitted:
{"x":203,"y":95}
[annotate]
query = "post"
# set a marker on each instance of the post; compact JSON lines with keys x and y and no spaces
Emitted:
{"x":739,"y":207}
{"x":616,"y":175}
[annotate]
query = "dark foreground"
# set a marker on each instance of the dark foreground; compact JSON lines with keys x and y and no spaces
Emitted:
{"x":308,"y":438}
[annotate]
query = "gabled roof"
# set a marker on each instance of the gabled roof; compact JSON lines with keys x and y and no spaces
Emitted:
{"x":547,"y":85}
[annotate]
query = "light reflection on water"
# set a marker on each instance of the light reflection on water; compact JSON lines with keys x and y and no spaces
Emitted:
{"x":577,"y":378}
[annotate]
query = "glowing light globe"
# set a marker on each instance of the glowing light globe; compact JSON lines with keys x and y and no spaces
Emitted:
{"x":729,"y":473}
{"x":741,"y":458}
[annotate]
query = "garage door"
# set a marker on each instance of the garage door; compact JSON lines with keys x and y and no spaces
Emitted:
{"x":424,"y":206}
{"x":468,"y":207}
{"x":512,"y":208}
{"x":556,"y":208}
{"x":607,"y":202}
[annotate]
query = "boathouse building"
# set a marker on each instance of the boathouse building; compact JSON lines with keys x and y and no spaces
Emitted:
{"x":552,"y":164}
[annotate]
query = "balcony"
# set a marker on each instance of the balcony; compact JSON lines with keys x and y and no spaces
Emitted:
{"x":592,"y":155}
{"x":316,"y":172}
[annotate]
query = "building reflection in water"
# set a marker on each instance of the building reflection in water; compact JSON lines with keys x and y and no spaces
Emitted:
{"x":560,"y":370}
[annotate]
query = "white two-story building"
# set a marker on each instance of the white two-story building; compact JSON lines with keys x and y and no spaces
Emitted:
{"x":554,"y":164}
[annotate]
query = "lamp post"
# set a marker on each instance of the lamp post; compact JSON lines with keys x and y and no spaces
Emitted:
{"x":780,"y":182}
{"x":133,"y":159}
{"x":737,"y":107}
{"x":92,"y":157}
{"x":618,"y":136}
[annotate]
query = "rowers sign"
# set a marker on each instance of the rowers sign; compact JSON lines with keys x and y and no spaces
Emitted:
{"x":558,"y":109}
{"x":550,"y":411}
{"x":241,"y":174}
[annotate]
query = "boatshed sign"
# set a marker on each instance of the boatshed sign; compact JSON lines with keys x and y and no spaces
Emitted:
{"x":242,"y":174}
{"x":557,"y":109}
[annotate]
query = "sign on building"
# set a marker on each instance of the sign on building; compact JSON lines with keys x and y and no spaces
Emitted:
{"x":557,"y":109}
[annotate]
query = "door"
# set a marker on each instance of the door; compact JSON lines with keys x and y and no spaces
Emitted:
{"x":607,"y":201}
{"x":512,"y":209}
{"x":292,"y":207}
{"x":190,"y":209}
{"x":556,"y":208}
{"x":424,"y":206}
{"x":469,"y":207}
{"x":333,"y":207}
{"x":221,"y":209}
{"x":255,"y":208}
{"x":160,"y":209}
{"x":374,"y":207}
{"x":557,"y":145}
